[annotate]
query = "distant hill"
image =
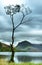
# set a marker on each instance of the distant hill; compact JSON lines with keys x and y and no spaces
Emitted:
{"x":24,"y":46}
{"x":4,"y":47}
{"x":39,"y":46}
{"x":27,"y":46}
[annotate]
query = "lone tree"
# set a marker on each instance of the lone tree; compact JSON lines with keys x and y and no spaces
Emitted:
{"x":11,"y":10}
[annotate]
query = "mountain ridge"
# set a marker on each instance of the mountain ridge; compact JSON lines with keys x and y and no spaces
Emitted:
{"x":23,"y":46}
{"x":28,"y":46}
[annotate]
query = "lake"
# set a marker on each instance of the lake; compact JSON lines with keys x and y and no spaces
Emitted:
{"x":35,"y":57}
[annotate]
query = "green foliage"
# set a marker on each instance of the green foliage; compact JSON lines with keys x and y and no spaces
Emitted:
{"x":4,"y":49}
{"x":4,"y":62}
{"x":24,"y":64}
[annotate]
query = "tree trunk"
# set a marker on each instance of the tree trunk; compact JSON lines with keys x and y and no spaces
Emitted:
{"x":12,"y":48}
{"x":12,"y":56}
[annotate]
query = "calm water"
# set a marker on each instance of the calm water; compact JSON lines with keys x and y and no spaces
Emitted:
{"x":35,"y":57}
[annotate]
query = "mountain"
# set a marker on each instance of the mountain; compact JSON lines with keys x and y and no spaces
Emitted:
{"x":23,"y":44}
{"x":39,"y":46}
{"x":27,"y":46}
{"x":4,"y":47}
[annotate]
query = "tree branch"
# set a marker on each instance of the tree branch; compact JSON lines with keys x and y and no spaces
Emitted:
{"x":23,"y":18}
{"x":30,"y":19}
{"x":20,"y":22}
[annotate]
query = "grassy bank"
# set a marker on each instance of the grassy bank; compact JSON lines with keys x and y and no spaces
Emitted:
{"x":4,"y":62}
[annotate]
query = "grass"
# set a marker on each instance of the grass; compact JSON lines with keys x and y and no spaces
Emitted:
{"x":4,"y":62}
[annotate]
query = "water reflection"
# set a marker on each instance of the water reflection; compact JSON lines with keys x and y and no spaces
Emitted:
{"x":35,"y":57}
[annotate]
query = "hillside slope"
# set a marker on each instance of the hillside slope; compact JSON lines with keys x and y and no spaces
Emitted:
{"x":4,"y":47}
{"x":29,"y":47}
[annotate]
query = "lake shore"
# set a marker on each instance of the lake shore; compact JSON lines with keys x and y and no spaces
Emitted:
{"x":30,"y":57}
{"x":4,"y":62}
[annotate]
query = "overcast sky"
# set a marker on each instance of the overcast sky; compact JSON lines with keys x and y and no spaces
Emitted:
{"x":30,"y":31}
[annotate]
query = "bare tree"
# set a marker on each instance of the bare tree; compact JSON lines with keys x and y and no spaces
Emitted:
{"x":11,"y":10}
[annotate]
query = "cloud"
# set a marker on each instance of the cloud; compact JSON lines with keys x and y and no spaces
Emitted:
{"x":4,"y":25}
{"x":6,"y":36}
{"x":31,"y":30}
{"x":36,"y":6}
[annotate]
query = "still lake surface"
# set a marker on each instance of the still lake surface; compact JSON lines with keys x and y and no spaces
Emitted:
{"x":35,"y":57}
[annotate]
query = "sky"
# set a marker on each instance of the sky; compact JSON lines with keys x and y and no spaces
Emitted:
{"x":30,"y":31}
